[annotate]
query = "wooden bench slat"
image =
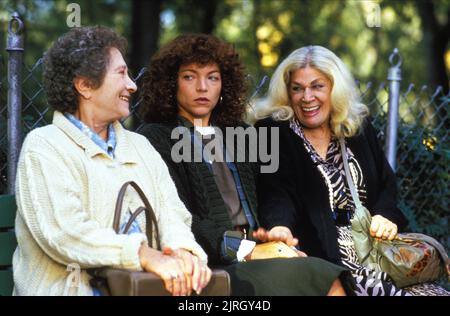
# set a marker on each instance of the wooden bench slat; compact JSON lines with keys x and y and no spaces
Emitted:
{"x":8,"y":244}
{"x":6,"y":282}
{"x":7,"y":211}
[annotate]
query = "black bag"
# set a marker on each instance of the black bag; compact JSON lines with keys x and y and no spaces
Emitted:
{"x":122,"y":282}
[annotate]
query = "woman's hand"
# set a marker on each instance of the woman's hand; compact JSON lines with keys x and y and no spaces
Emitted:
{"x":383,"y":228}
{"x":277,"y":233}
{"x":169,"y":268}
{"x":197,"y":273}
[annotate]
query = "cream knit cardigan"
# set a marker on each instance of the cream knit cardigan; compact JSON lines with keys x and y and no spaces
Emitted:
{"x":66,"y":189}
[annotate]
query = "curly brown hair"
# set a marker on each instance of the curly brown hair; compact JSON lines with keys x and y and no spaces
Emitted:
{"x":159,"y":84}
{"x":81,"y":52}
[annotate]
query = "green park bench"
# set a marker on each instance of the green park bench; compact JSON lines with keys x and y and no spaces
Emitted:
{"x":8,"y":243}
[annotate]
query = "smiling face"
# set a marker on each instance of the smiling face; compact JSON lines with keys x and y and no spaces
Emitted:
{"x":310,"y":97}
{"x":112,"y":99}
{"x":198,"y":92}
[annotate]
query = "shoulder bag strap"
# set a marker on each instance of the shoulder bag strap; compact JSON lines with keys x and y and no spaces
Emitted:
{"x":361,"y":213}
{"x":351,"y":186}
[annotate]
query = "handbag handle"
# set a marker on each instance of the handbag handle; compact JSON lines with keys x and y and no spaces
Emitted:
{"x":150,"y":217}
{"x":351,"y":186}
{"x":362,"y":215}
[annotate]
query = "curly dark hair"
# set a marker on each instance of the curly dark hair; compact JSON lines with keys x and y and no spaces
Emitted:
{"x":82,"y":52}
{"x":159,"y":84}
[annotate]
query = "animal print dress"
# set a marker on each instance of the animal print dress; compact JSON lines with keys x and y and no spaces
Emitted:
{"x":368,"y":282}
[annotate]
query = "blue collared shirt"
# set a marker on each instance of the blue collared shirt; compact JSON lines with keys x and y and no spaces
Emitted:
{"x":109,"y":146}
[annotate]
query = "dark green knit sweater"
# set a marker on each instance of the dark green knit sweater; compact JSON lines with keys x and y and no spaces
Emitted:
{"x":199,"y":192}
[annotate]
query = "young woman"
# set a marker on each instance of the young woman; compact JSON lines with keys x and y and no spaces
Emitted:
{"x":196,"y":83}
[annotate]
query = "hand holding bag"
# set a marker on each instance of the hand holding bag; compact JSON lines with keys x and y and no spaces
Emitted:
{"x":265,"y":250}
{"x":409,"y":259}
{"x":121,"y":282}
{"x":273,"y":249}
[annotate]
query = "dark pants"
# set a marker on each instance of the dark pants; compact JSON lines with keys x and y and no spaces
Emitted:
{"x":294,"y":276}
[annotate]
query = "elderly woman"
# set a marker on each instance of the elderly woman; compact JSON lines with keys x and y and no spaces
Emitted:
{"x":197,"y":83}
{"x":70,"y":173}
{"x":313,"y":101}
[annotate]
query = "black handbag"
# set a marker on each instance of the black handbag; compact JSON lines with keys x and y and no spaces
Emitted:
{"x":122,"y":282}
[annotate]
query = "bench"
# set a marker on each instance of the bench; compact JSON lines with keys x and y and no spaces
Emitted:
{"x":8,"y":243}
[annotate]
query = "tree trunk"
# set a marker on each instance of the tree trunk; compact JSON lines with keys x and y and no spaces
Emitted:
{"x":145,"y":27}
{"x":195,"y":16}
{"x":210,"y":9}
{"x":436,"y":38}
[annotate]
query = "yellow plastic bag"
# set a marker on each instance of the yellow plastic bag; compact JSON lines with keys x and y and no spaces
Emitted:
{"x":273,"y":249}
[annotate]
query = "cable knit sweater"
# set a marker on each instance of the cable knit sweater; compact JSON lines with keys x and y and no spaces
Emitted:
{"x":66,"y":190}
{"x":198,"y":190}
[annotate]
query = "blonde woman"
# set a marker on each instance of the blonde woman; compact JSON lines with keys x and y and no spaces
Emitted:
{"x":313,"y":101}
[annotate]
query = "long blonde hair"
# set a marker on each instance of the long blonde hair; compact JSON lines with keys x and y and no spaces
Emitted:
{"x":347,"y":111}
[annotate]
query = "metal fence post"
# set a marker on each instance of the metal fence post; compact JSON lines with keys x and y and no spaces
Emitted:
{"x":15,"y":49}
{"x":394,"y":78}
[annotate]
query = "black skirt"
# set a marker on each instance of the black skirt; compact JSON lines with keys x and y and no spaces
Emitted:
{"x":307,"y":276}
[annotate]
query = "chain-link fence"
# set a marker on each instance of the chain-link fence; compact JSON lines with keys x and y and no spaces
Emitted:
{"x":3,"y":123}
{"x":423,"y":154}
{"x":423,"y":149}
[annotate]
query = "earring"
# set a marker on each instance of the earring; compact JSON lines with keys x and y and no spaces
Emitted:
{"x":220,"y":99}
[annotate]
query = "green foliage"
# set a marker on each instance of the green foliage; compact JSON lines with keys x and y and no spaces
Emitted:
{"x":264,"y":32}
{"x":46,"y":20}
